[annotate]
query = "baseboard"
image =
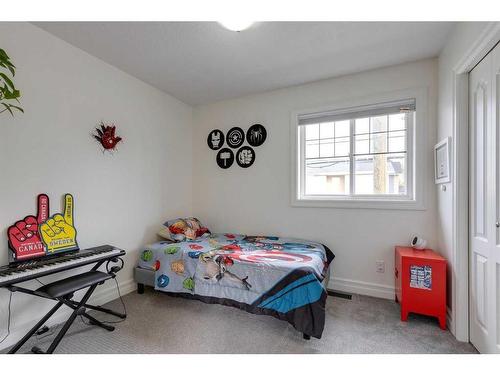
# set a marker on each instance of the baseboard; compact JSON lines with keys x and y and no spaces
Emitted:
{"x":362,"y":287}
{"x":376,"y":290}
{"x":108,"y":294}
{"x":100,"y":297}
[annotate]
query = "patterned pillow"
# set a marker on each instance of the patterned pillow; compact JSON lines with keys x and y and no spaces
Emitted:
{"x":183,"y":229}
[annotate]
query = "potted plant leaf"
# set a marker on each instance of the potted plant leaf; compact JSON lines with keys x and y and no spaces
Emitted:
{"x":8,"y":91}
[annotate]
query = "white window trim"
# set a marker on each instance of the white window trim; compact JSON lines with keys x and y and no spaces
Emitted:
{"x":417,"y":146}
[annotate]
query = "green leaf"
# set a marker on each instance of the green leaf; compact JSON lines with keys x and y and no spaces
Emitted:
{"x":5,"y":62}
{"x":11,"y":94}
{"x":8,"y":91}
{"x":8,"y":94}
{"x":7,"y":107}
{"x":11,"y":69}
{"x":7,"y":80}
{"x":16,"y":107}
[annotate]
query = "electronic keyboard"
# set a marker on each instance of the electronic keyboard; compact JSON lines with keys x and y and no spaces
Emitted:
{"x":31,"y":269}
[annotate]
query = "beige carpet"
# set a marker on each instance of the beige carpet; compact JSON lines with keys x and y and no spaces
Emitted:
{"x":158,"y":323}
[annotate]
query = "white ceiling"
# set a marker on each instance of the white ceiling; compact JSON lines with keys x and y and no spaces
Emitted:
{"x":201,"y":62}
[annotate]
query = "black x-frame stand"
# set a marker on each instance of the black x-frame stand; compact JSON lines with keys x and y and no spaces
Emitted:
{"x":79,"y":308}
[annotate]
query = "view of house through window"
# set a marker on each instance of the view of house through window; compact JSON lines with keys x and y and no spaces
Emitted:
{"x":361,"y":153}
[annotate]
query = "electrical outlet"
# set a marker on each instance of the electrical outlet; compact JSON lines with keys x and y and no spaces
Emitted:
{"x":380,"y":264}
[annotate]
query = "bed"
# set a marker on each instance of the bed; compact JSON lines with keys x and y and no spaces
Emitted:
{"x":282,"y":277}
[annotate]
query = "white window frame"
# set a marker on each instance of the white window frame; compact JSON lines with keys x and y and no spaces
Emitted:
{"x":416,"y":156}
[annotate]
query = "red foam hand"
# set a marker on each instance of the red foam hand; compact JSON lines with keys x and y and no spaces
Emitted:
{"x":109,"y":140}
{"x":23,"y":236}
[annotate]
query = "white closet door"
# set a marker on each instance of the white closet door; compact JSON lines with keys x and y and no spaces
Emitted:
{"x":484,"y":203}
{"x":494,"y":280}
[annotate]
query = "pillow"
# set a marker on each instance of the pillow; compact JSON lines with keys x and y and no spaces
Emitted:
{"x":183,"y":229}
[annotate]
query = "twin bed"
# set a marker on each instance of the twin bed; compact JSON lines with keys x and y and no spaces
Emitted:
{"x":282,"y":277}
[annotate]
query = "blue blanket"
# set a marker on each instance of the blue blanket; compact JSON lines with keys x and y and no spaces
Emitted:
{"x":277,"y":276}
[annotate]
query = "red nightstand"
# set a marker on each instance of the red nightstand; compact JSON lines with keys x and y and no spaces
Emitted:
{"x":421,"y":283}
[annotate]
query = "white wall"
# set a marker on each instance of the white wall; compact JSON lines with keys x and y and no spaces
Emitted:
{"x":257,"y":200}
{"x":460,"y":41}
{"x":120,"y":198}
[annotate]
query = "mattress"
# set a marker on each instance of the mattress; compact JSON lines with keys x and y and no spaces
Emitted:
{"x":282,"y":277}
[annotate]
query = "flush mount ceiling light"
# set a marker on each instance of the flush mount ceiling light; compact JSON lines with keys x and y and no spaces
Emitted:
{"x":236,"y":25}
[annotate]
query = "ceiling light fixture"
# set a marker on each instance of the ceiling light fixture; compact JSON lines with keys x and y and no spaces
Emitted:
{"x":237,"y":25}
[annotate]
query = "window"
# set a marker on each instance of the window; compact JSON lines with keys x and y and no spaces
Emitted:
{"x":357,"y":154}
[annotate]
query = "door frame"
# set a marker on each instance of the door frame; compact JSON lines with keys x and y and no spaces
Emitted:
{"x":459,"y":315}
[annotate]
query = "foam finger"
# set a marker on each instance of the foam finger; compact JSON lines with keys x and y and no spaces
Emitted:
{"x":59,"y":221}
{"x":58,"y":218}
{"x":52,"y":224}
{"x":21,"y":225}
{"x":27,"y":233}
{"x":16,"y":233}
{"x":31,"y":224}
{"x":43,"y":208}
{"x":45,"y":228}
{"x":68,"y":209}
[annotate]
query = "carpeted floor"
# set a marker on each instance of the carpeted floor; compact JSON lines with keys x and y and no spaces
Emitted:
{"x":158,"y":323}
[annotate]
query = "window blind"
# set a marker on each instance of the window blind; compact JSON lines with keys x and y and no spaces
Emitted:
{"x":388,"y":108}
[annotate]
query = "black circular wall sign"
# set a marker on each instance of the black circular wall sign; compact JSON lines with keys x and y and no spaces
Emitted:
{"x":235,"y":137}
{"x":215,"y":139}
{"x":256,"y":135}
{"x":225,"y":158}
{"x":245,"y":156}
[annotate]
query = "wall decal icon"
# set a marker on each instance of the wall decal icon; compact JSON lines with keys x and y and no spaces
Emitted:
{"x":245,"y":157}
{"x":235,"y":137}
{"x":256,"y":135}
{"x":215,"y":139}
{"x":225,"y":158}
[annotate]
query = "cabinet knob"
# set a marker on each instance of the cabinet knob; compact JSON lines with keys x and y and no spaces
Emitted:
{"x":497,"y":224}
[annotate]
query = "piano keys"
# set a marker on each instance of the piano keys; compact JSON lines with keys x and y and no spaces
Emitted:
{"x":31,"y":269}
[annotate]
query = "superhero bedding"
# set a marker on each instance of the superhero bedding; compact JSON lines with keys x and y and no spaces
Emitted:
{"x":281,"y":277}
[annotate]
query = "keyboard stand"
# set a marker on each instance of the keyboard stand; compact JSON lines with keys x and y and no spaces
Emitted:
{"x":62,"y":291}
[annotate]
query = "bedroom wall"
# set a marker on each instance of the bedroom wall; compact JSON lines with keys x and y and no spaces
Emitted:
{"x":120,"y":198}
{"x":461,"y":39}
{"x":257,"y":200}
